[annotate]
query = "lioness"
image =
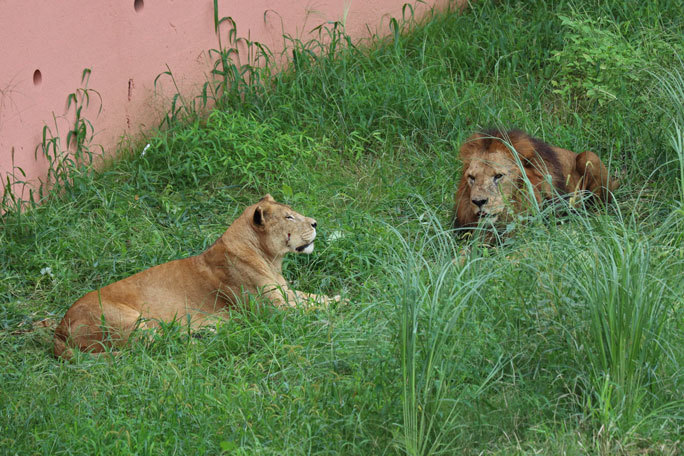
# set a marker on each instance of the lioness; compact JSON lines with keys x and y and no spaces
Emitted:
{"x":492,"y":184}
{"x":245,"y":260}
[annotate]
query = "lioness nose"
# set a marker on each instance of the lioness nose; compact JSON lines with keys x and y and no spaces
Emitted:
{"x":481,"y":202}
{"x":314,"y":224}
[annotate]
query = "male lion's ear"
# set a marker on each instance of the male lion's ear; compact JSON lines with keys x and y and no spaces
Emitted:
{"x":259,"y":216}
{"x":470,"y":147}
{"x":525,"y":146}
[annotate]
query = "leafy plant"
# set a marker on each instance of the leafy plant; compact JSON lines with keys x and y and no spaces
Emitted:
{"x":596,"y":61}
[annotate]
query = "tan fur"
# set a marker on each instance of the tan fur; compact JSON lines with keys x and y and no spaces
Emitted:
{"x":245,"y":260}
{"x":493,"y":175}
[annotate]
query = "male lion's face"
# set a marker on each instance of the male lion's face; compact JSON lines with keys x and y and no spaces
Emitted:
{"x":491,"y":178}
{"x":282,"y":230}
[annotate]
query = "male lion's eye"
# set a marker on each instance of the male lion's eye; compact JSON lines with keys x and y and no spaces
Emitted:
{"x":289,"y":217}
{"x":497,"y":177}
{"x":471,"y":177}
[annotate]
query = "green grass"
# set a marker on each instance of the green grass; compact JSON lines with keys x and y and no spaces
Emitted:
{"x":568,"y":338}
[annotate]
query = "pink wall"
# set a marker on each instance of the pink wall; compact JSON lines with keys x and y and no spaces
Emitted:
{"x":45,"y":46}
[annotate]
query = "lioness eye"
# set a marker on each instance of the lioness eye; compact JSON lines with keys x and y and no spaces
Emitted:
{"x":471,"y":177}
{"x":497,"y":177}
{"x":289,"y":217}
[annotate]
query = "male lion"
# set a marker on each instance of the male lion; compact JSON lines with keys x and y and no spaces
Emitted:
{"x":245,"y":260}
{"x":496,"y":163}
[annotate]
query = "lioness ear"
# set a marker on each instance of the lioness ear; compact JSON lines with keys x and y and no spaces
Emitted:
{"x":259,"y":216}
{"x":268,"y":197}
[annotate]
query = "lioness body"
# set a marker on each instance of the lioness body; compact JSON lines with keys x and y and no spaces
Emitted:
{"x":498,"y":166}
{"x":245,"y":260}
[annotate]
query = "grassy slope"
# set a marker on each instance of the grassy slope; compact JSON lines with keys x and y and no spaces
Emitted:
{"x":509,"y":351}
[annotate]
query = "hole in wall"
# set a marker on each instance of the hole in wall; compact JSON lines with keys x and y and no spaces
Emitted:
{"x":37,"y":78}
{"x":131,"y":85}
{"x":138,"y":5}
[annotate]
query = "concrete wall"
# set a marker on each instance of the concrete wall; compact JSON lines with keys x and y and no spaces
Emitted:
{"x":46,"y":45}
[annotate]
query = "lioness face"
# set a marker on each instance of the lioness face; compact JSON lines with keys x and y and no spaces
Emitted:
{"x":492,"y":181}
{"x":283,"y":230}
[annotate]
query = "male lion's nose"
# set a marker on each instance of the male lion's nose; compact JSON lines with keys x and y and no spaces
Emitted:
{"x":481,"y":202}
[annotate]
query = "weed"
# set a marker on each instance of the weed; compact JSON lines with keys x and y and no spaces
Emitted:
{"x":64,"y":163}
